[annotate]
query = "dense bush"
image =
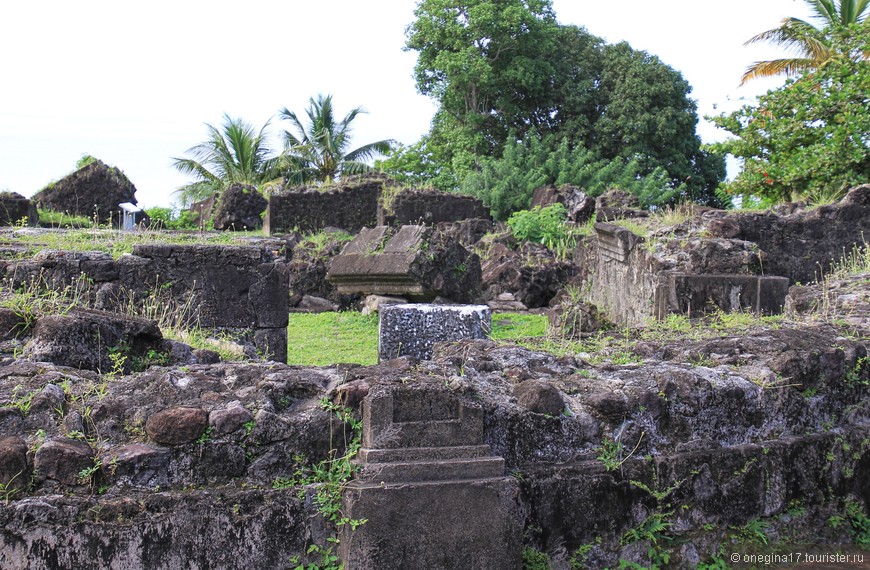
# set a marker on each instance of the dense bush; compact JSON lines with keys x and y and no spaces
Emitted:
{"x":172,"y":219}
{"x":541,"y":225}
{"x":506,"y":184}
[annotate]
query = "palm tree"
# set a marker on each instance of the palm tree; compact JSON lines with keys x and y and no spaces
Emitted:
{"x":318,"y":150}
{"x":234,"y":153}
{"x":812,"y":45}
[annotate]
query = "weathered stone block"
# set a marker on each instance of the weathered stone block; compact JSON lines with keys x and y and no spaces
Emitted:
{"x":14,"y":471}
{"x":177,"y":426}
{"x":396,"y":419}
{"x":431,"y":207}
{"x":432,"y":495}
{"x":450,"y":525}
{"x":414,"y":262}
{"x":412,"y":330}
{"x":62,"y":459}
{"x":694,"y":294}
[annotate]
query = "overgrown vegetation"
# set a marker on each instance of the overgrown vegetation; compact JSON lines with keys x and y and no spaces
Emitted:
{"x":327,"y":479}
{"x":807,"y":139}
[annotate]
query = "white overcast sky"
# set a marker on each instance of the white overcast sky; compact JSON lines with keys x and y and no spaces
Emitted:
{"x":133,"y":83}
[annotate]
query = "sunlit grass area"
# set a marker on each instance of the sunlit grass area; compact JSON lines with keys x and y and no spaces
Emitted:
{"x":322,"y":339}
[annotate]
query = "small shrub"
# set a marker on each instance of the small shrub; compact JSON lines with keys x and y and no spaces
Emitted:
{"x":540,"y":225}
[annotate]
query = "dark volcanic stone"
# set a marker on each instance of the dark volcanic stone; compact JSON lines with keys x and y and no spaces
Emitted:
{"x":539,"y":397}
{"x":14,"y":472}
{"x":239,"y":208}
{"x":62,"y":459}
{"x":137,"y":464}
{"x":95,"y":188}
{"x":177,"y":426}
{"x":14,"y":207}
{"x":229,"y":420}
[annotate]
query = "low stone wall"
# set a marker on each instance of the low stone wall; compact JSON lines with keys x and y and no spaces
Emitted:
{"x":240,"y":290}
{"x":359,"y":204}
{"x":350,"y":208}
{"x":431,"y":207}
{"x":631,"y":284}
{"x":803,"y":245}
{"x":583,"y":461}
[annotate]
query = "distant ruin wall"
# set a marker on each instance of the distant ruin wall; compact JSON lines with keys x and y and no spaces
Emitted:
{"x":360,"y":205}
{"x":803,"y":246}
{"x":237,"y":289}
{"x":431,"y":207}
{"x":310,"y":210}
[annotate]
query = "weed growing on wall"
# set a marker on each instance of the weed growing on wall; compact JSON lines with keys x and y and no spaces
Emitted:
{"x":328,"y":478}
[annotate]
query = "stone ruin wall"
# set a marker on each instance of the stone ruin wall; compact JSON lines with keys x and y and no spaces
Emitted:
{"x":804,"y":244}
{"x":239,"y":290}
{"x":310,"y":210}
{"x":360,"y":205}
{"x":711,"y":446}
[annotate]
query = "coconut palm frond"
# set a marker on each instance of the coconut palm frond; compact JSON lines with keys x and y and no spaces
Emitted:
{"x":318,"y":147}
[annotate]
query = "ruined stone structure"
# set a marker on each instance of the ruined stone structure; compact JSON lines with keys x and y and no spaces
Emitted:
{"x":350,"y":207}
{"x":239,"y":208}
{"x":15,"y":207}
{"x":92,"y":191}
{"x":431,"y":493}
{"x":359,"y":203}
{"x":631,"y":284}
{"x":236,"y":289}
{"x":413,"y":329}
{"x":414,"y":262}
{"x":802,"y":245}
{"x":430,"y":207}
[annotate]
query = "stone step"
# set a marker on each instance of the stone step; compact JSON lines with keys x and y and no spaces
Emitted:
{"x":435,"y":470}
{"x":407,"y":454}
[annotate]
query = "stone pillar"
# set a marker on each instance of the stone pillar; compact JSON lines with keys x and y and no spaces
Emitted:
{"x":413,"y":329}
{"x":431,"y":493}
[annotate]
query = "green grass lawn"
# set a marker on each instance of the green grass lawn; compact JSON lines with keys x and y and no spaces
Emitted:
{"x":322,"y":339}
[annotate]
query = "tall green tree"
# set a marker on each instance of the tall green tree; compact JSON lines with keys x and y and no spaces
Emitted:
{"x":232,"y":153}
{"x":484,"y":61}
{"x":810,"y":138}
{"x":318,"y":150}
{"x":645,"y":113}
{"x":812,"y":44}
{"x":502,"y":69}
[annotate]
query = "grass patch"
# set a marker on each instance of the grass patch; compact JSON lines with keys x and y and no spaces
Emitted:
{"x":508,"y":326}
{"x":323,"y":339}
{"x":116,"y":242}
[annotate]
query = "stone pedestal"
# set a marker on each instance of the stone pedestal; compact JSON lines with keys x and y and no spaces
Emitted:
{"x":431,"y":493}
{"x":413,"y":329}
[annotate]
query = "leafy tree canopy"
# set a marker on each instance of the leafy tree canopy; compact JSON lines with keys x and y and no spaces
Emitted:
{"x":810,"y":138}
{"x":501,"y":69}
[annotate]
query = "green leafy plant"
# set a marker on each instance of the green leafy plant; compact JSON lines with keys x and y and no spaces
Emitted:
{"x":328,"y":477}
{"x":855,"y":521}
{"x":535,"y":559}
{"x":653,"y":530}
{"x":8,"y":491}
{"x":540,"y":225}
